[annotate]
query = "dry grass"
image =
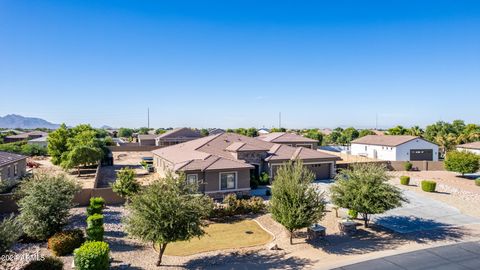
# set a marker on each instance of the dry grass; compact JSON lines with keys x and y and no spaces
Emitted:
{"x":240,"y":234}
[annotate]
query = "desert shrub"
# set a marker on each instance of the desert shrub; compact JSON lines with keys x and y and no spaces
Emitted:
{"x":429,"y":186}
{"x":92,"y":256}
{"x":95,"y":233}
{"x":64,"y":243}
{"x":477,"y":181}
{"x":10,"y":231}
{"x":95,"y":220}
{"x":233,"y":206}
{"x":408,"y":166}
{"x":96,"y":206}
{"x":462,"y":162}
{"x":95,"y":228}
{"x":352,"y":214}
{"x":33,"y":150}
{"x":264,"y":179}
{"x":44,"y":204}
{"x":405,"y":180}
{"x":50,"y":263}
{"x":126,"y":185}
{"x":256,"y":205}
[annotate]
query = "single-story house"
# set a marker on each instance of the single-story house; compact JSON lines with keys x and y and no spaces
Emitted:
{"x":176,"y":136}
{"x":42,"y":141}
{"x":14,"y":131}
{"x":289,"y":139}
{"x":12,"y":166}
{"x":25,"y":136}
{"x":395,"y":148}
{"x":224,"y":163}
{"x":473,"y":147}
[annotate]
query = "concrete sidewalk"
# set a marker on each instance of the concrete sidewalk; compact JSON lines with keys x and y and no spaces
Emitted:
{"x":465,"y":256}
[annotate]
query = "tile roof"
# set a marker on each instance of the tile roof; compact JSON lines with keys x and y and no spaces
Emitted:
{"x":7,"y":158}
{"x":215,"y":152}
{"x":147,"y":136}
{"x":180,"y":133}
{"x":473,"y":145}
{"x":386,"y":140}
{"x":284,"y":137}
{"x":28,"y":134}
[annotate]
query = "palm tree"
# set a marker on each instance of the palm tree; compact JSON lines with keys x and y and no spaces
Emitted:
{"x":415,"y":131}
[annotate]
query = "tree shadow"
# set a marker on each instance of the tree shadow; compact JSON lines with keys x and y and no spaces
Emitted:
{"x":119,"y":245}
{"x":248,"y":260}
{"x":112,"y":217}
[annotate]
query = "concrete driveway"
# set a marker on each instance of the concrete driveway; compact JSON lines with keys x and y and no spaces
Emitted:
{"x":463,"y":256}
{"x":422,"y":214}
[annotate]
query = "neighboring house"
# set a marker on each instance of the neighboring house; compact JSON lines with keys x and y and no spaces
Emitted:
{"x":263,"y":131}
{"x":326,"y":131}
{"x":146,"y":139}
{"x":5,"y":131}
{"x":42,"y":141}
{"x":12,"y":166}
{"x":473,"y":147}
{"x":224,"y":163}
{"x":176,"y":136}
{"x":289,"y":139}
{"x":395,"y":148}
{"x":25,"y":136}
{"x":215,"y":131}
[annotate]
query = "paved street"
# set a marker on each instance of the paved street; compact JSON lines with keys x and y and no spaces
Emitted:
{"x":465,"y":256}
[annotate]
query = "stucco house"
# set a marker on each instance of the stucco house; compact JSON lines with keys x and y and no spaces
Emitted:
{"x":42,"y":141}
{"x":223,"y":163}
{"x":289,"y":139}
{"x":176,"y":136}
{"x":147,"y":139}
{"x":395,"y":148}
{"x":473,"y":147}
{"x":25,"y":136}
{"x":12,"y":166}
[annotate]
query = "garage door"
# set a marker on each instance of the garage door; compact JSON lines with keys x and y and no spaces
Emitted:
{"x":321,"y":170}
{"x":421,"y":154}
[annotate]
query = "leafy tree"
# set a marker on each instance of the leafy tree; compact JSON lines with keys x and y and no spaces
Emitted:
{"x":365,"y":132}
{"x":160,"y":131}
{"x":44,"y":204}
{"x":295,"y":203}
{"x":462,"y":162}
{"x":82,"y":155}
{"x":125,"y":132}
{"x":415,"y":131}
{"x":10,"y":232}
{"x":167,"y":211}
{"x":314,"y":134}
{"x":33,"y":150}
{"x":229,"y":130}
{"x":126,"y":185}
{"x":57,"y":143}
{"x":350,"y":134}
{"x":204,"y":132}
{"x":251,"y":132}
{"x":398,"y":130}
{"x":364,"y":188}
{"x":143,"y":130}
{"x":278,"y":130}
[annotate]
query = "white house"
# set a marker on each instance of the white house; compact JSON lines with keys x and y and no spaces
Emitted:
{"x":473,"y":147}
{"x":263,"y":131}
{"x":395,"y":148}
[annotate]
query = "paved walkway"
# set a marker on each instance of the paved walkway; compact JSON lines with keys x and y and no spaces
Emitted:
{"x":465,"y":256}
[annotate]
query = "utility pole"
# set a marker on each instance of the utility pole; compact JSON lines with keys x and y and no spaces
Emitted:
{"x":279,"y":120}
{"x":148,"y":118}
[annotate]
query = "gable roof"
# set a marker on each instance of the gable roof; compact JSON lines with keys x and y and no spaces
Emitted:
{"x":386,"y":140}
{"x":147,"y":137}
{"x":284,"y":137}
{"x":217,"y":152}
{"x":472,"y":145}
{"x":7,"y":158}
{"x":180,"y":133}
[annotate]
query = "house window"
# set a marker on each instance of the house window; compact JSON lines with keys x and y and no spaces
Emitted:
{"x":15,"y":170}
{"x":228,"y":180}
{"x":192,"y":179}
{"x":366,"y":148}
{"x":8,"y":172}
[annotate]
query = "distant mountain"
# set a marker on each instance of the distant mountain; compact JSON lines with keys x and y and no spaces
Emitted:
{"x":106,"y":127}
{"x":18,"y":121}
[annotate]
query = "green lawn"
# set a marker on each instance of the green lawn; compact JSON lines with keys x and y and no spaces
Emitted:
{"x":245,"y":233}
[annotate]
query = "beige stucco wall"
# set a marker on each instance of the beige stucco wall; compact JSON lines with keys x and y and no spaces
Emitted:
{"x":21,"y":167}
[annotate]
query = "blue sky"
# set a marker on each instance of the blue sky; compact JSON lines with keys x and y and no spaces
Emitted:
{"x":238,"y":63}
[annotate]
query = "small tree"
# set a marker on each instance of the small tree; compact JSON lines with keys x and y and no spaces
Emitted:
{"x":44,"y":204}
{"x":10,"y":231}
{"x":167,"y":211}
{"x":126,"y":185}
{"x":295,"y":203}
{"x":462,"y":162}
{"x":364,"y":188}
{"x":82,"y":155}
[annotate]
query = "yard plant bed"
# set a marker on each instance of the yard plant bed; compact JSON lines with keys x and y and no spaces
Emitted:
{"x":238,"y":234}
